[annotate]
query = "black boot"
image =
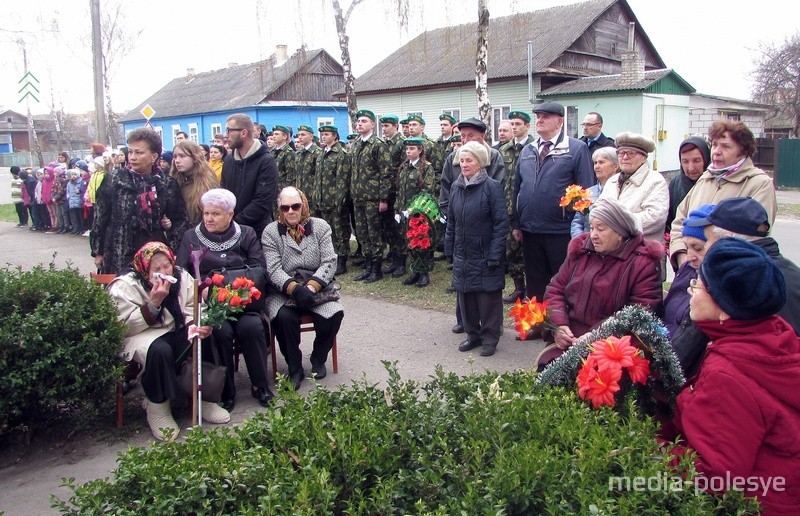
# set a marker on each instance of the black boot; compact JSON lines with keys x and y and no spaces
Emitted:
{"x":518,"y":293}
{"x":341,"y":265}
{"x":392,"y":265}
{"x":358,"y":257}
{"x":411,"y":279}
{"x":367,"y":271}
{"x":401,"y":267}
{"x":424,"y":280}
{"x":377,"y":274}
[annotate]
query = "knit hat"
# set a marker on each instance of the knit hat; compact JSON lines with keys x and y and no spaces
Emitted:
{"x":167,"y":156}
{"x":690,"y":228}
{"x":15,"y":170}
{"x":617,"y":216}
{"x":743,"y":280}
{"x":98,"y":148}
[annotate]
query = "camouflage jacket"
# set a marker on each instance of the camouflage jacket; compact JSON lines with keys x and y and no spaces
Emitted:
{"x":332,"y":178}
{"x":397,"y":152}
{"x":305,"y":169}
{"x":371,"y":171}
{"x":433,"y":153}
{"x":445,"y":146}
{"x":284,"y":159}
{"x":412,"y":181}
{"x":510,"y":154}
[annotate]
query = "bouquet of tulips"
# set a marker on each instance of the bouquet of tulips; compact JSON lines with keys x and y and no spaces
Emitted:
{"x":224,"y":301}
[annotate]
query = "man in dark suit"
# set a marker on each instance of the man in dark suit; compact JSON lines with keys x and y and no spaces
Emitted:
{"x":593,"y":132}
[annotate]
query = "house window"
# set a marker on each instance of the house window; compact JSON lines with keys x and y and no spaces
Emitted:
{"x":732,"y":115}
{"x":326,"y":120}
{"x":175,"y":130}
{"x":499,"y":114}
{"x":572,"y":121}
{"x":455,"y":113}
{"x":417,"y":113}
{"x":193,"y":133}
{"x":10,"y":120}
{"x":215,"y":129}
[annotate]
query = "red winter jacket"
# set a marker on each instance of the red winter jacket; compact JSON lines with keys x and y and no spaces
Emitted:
{"x":589,"y":287}
{"x":742,"y":410}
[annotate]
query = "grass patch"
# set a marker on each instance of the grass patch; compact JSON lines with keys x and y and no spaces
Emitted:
{"x":789,"y":211}
{"x":8,"y":213}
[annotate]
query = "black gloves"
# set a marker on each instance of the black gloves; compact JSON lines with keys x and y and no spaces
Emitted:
{"x":303,"y":297}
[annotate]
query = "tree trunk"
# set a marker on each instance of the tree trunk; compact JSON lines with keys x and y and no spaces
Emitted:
{"x":344,"y":45}
{"x":481,"y":57}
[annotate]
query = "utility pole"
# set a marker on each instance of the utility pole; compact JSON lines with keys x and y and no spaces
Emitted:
{"x":97,"y":59}
{"x":33,"y":139}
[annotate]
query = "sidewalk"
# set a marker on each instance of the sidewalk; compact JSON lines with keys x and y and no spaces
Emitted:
{"x":372,"y":331}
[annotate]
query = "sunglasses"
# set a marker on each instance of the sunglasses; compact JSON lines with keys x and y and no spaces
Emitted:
{"x":294,"y":207}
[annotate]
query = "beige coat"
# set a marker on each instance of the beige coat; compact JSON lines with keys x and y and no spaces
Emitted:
{"x":748,"y":181}
{"x":130,"y":296}
{"x":646,"y":195}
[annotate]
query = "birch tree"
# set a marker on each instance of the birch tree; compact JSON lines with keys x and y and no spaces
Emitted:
{"x":481,"y":66}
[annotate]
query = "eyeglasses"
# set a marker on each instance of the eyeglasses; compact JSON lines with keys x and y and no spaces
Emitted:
{"x":627,"y":153}
{"x":294,"y":207}
{"x":234,"y":129}
{"x":694,"y":284}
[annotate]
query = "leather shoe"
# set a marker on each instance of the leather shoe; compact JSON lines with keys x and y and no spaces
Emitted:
{"x":411,"y":280}
{"x":228,"y":404}
{"x":318,"y":371}
{"x":533,"y":334}
{"x":469,"y":345}
{"x":263,"y":395}
{"x":297,"y":378}
{"x":424,"y":280}
{"x":487,"y":350}
{"x":457,"y":328}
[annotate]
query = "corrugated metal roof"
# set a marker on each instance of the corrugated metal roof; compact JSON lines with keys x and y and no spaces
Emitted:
{"x":447,"y":55}
{"x":603,"y":83}
{"x":227,"y":89}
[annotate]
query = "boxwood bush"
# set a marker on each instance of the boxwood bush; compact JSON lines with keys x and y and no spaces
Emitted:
{"x":481,"y":444}
{"x":59,"y":345}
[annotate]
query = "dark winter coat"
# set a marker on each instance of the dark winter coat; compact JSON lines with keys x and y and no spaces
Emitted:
{"x":232,"y":251}
{"x":589,"y":286}
{"x":680,"y":185}
{"x":791,"y":273}
{"x":118,"y":236}
{"x":602,"y":141}
{"x":254,"y":181}
{"x":477,"y":227}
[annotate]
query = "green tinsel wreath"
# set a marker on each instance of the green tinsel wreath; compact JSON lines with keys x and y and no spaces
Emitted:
{"x":666,"y":376}
{"x":424,"y":204}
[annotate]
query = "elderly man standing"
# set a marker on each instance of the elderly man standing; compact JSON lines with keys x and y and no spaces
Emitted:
{"x":249,"y":172}
{"x":545,"y":168}
{"x":306,"y":164}
{"x":284,"y":157}
{"x":370,"y":188}
{"x":503,"y":134}
{"x":593,"y":132}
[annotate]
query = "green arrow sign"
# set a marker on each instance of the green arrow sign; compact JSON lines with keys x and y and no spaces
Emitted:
{"x":28,"y":74}
{"x":28,"y":87}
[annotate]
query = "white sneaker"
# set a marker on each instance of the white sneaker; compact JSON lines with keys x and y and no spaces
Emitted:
{"x":86,"y":233}
{"x":159,"y":417}
{"x":213,"y":413}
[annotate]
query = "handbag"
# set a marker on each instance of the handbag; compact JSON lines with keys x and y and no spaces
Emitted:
{"x":256,"y":274}
{"x":326,"y":295}
{"x":213,"y":376}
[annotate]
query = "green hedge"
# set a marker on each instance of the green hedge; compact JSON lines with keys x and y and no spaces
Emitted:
{"x":482,"y":444}
{"x":59,"y":345}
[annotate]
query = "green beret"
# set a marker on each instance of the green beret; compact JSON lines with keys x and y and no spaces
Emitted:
{"x":365,"y":112}
{"x":403,"y":121}
{"x":390,"y":119}
{"x":329,"y":128}
{"x":521,"y":115}
{"x":455,"y":138}
{"x":352,"y":136}
{"x":281,"y":128}
{"x":414,"y":141}
{"x":416,"y":118}
{"x":449,"y":118}
{"x":306,"y":128}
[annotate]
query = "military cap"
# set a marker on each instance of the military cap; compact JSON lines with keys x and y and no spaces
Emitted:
{"x":635,"y":141}
{"x":455,"y":138}
{"x":329,"y":128}
{"x":352,"y":136}
{"x":416,"y":118}
{"x":473,"y":123}
{"x":306,"y":128}
{"x":521,"y":115}
{"x":554,"y":108}
{"x":449,"y":118}
{"x":281,"y":128}
{"x":414,"y":141}
{"x":367,"y":113}
{"x":390,"y":119}
{"x":403,"y":121}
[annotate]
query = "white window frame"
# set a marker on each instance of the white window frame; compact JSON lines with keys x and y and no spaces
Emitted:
{"x":215,"y":129}
{"x":194,"y":133}
{"x":499,"y":113}
{"x":418,"y":113}
{"x":455,"y":113}
{"x":324,"y":120}
{"x":176,"y":128}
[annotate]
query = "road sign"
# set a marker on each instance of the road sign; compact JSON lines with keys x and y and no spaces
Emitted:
{"x":148,"y":112}
{"x":29,"y":82}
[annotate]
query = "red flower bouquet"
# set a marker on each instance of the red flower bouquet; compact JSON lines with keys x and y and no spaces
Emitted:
{"x":418,"y":233}
{"x":610,"y":358}
{"x":531,"y":315}
{"x":226,"y":300}
{"x":576,"y":199}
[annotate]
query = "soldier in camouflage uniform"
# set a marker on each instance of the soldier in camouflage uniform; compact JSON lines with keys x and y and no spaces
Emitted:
{"x":520,"y":122}
{"x":284,"y":157}
{"x":306,"y":163}
{"x":370,"y":186}
{"x":447,"y":123}
{"x":393,"y":138}
{"x":416,"y":126}
{"x":404,"y":128}
{"x":332,"y":190}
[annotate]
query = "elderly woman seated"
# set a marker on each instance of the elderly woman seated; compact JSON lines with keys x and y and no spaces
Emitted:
{"x":301,"y":264}
{"x":741,"y":413}
{"x":232,"y":246}
{"x":157,"y":314}
{"x":606,"y":269}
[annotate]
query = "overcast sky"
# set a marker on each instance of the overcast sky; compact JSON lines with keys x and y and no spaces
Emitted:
{"x":710,"y":43}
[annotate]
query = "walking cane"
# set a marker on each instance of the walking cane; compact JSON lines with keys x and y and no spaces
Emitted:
{"x":197,"y":359}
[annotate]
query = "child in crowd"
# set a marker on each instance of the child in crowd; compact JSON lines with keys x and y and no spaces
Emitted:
{"x":75,"y":190}
{"x":18,"y":196}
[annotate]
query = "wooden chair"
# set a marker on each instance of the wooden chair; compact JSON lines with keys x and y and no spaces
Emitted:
{"x":306,"y":324}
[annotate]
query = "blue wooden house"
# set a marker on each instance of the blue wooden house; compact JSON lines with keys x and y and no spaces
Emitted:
{"x":287,"y":91}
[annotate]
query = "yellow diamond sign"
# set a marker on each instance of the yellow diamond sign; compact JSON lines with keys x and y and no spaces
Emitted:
{"x":148,"y":112}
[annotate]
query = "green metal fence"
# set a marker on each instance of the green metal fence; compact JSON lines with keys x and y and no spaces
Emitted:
{"x":787,"y":171}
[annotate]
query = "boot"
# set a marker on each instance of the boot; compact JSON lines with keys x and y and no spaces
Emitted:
{"x":341,"y":265}
{"x":162,"y":424}
{"x":376,"y":274}
{"x":213,"y":413}
{"x":518,"y":293}
{"x":397,"y":261}
{"x":411,"y":280}
{"x":358,"y":257}
{"x":392,"y":259}
{"x":487,"y":350}
{"x":424,"y":280}
{"x":367,"y":271}
{"x":401,"y":267}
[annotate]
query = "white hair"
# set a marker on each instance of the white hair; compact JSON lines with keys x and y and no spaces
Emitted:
{"x":477,"y":150}
{"x":289,"y":191}
{"x":219,"y":197}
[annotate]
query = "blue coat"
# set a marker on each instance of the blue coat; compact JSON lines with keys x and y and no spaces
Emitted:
{"x":477,"y":228}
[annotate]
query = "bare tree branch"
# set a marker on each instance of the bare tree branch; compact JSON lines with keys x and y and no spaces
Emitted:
{"x":777,"y":80}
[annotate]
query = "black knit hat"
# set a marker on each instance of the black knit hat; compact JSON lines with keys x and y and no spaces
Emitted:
{"x":743,"y":280}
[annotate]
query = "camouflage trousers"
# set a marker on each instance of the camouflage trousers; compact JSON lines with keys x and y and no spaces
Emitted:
{"x":339,"y":220}
{"x":514,"y":263}
{"x":369,"y":230}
